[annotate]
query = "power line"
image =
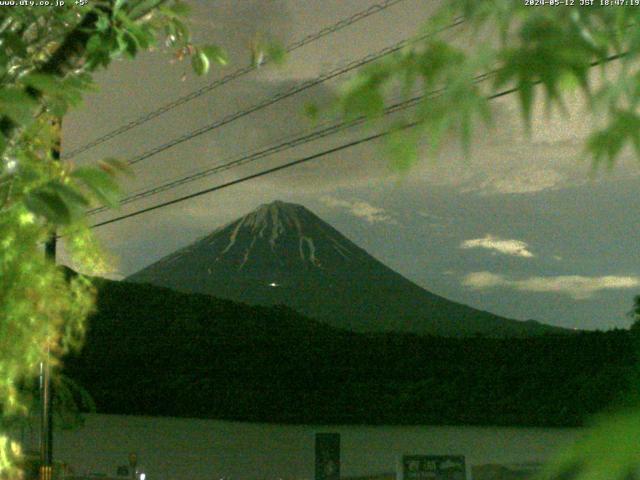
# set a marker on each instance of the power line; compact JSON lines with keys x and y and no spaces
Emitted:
{"x":353,"y":65}
{"x":232,"y":76}
{"x":252,"y":176}
{"x":326,"y":152}
{"x":271,"y":150}
{"x":318,"y":155}
{"x":257,"y":155}
{"x":276,"y":143}
{"x":478,"y":78}
{"x":222,"y":167}
{"x":280,"y":167}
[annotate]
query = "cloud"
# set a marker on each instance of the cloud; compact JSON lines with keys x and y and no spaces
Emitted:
{"x":430,"y":216}
{"x":505,"y":160}
{"x":516,"y":248}
{"x":576,"y":286}
{"x":521,"y":182}
{"x":360,"y":209}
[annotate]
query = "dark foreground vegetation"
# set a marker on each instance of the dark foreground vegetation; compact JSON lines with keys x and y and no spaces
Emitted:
{"x":153,"y":351}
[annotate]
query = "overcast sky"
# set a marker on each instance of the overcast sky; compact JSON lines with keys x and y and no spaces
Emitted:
{"x":519,"y":227}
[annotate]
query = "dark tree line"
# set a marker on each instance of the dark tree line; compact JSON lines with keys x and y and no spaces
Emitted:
{"x":154,"y":351}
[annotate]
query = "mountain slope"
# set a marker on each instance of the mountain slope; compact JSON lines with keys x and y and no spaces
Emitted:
{"x":282,"y":253}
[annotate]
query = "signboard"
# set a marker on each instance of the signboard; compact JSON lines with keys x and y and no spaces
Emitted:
{"x":433,"y":467}
{"x":327,"y":456}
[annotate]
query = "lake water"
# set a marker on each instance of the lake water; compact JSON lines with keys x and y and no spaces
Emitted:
{"x":173,"y":448}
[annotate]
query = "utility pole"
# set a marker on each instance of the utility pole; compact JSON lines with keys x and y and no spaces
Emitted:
{"x":46,"y":410}
{"x":46,"y":430}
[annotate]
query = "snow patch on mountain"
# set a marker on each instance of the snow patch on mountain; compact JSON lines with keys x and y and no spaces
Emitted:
{"x":272,"y":222}
{"x":234,"y":235}
{"x":312,"y":250}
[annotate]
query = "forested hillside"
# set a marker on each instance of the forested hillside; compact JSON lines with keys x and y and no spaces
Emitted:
{"x":154,"y":351}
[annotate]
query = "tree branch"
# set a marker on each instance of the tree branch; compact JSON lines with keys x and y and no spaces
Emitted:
{"x":70,"y":54}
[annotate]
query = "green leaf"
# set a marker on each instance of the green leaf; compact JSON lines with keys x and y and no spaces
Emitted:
{"x":608,"y":450}
{"x":56,"y":202}
{"x":200,"y":63}
{"x":47,"y":84}
{"x":58,"y":94}
{"x":526,"y":91}
{"x":181,"y":30}
{"x":402,"y":146}
{"x":180,"y":8}
{"x":94,"y":44}
{"x":312,"y":111}
{"x":118,"y":5}
{"x":145,"y":36}
{"x":276,"y":52}
{"x":438,"y":128}
{"x":215,"y":53}
{"x":466,"y":131}
{"x":141,"y":35}
{"x":16,"y":104}
{"x":100,"y":183}
{"x":4,"y":60}
{"x":606,"y":144}
{"x":14,"y":43}
{"x":143,"y":7}
{"x":72,"y":197}
{"x":132,"y":44}
{"x":48,"y":204}
{"x":121,"y":40}
{"x":363,"y":101}
{"x":102,"y":24}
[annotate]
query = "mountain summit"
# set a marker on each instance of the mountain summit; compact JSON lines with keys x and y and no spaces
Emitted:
{"x":282,"y":253}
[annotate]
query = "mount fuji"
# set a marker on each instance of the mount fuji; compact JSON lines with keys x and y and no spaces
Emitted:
{"x":282,"y":253}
